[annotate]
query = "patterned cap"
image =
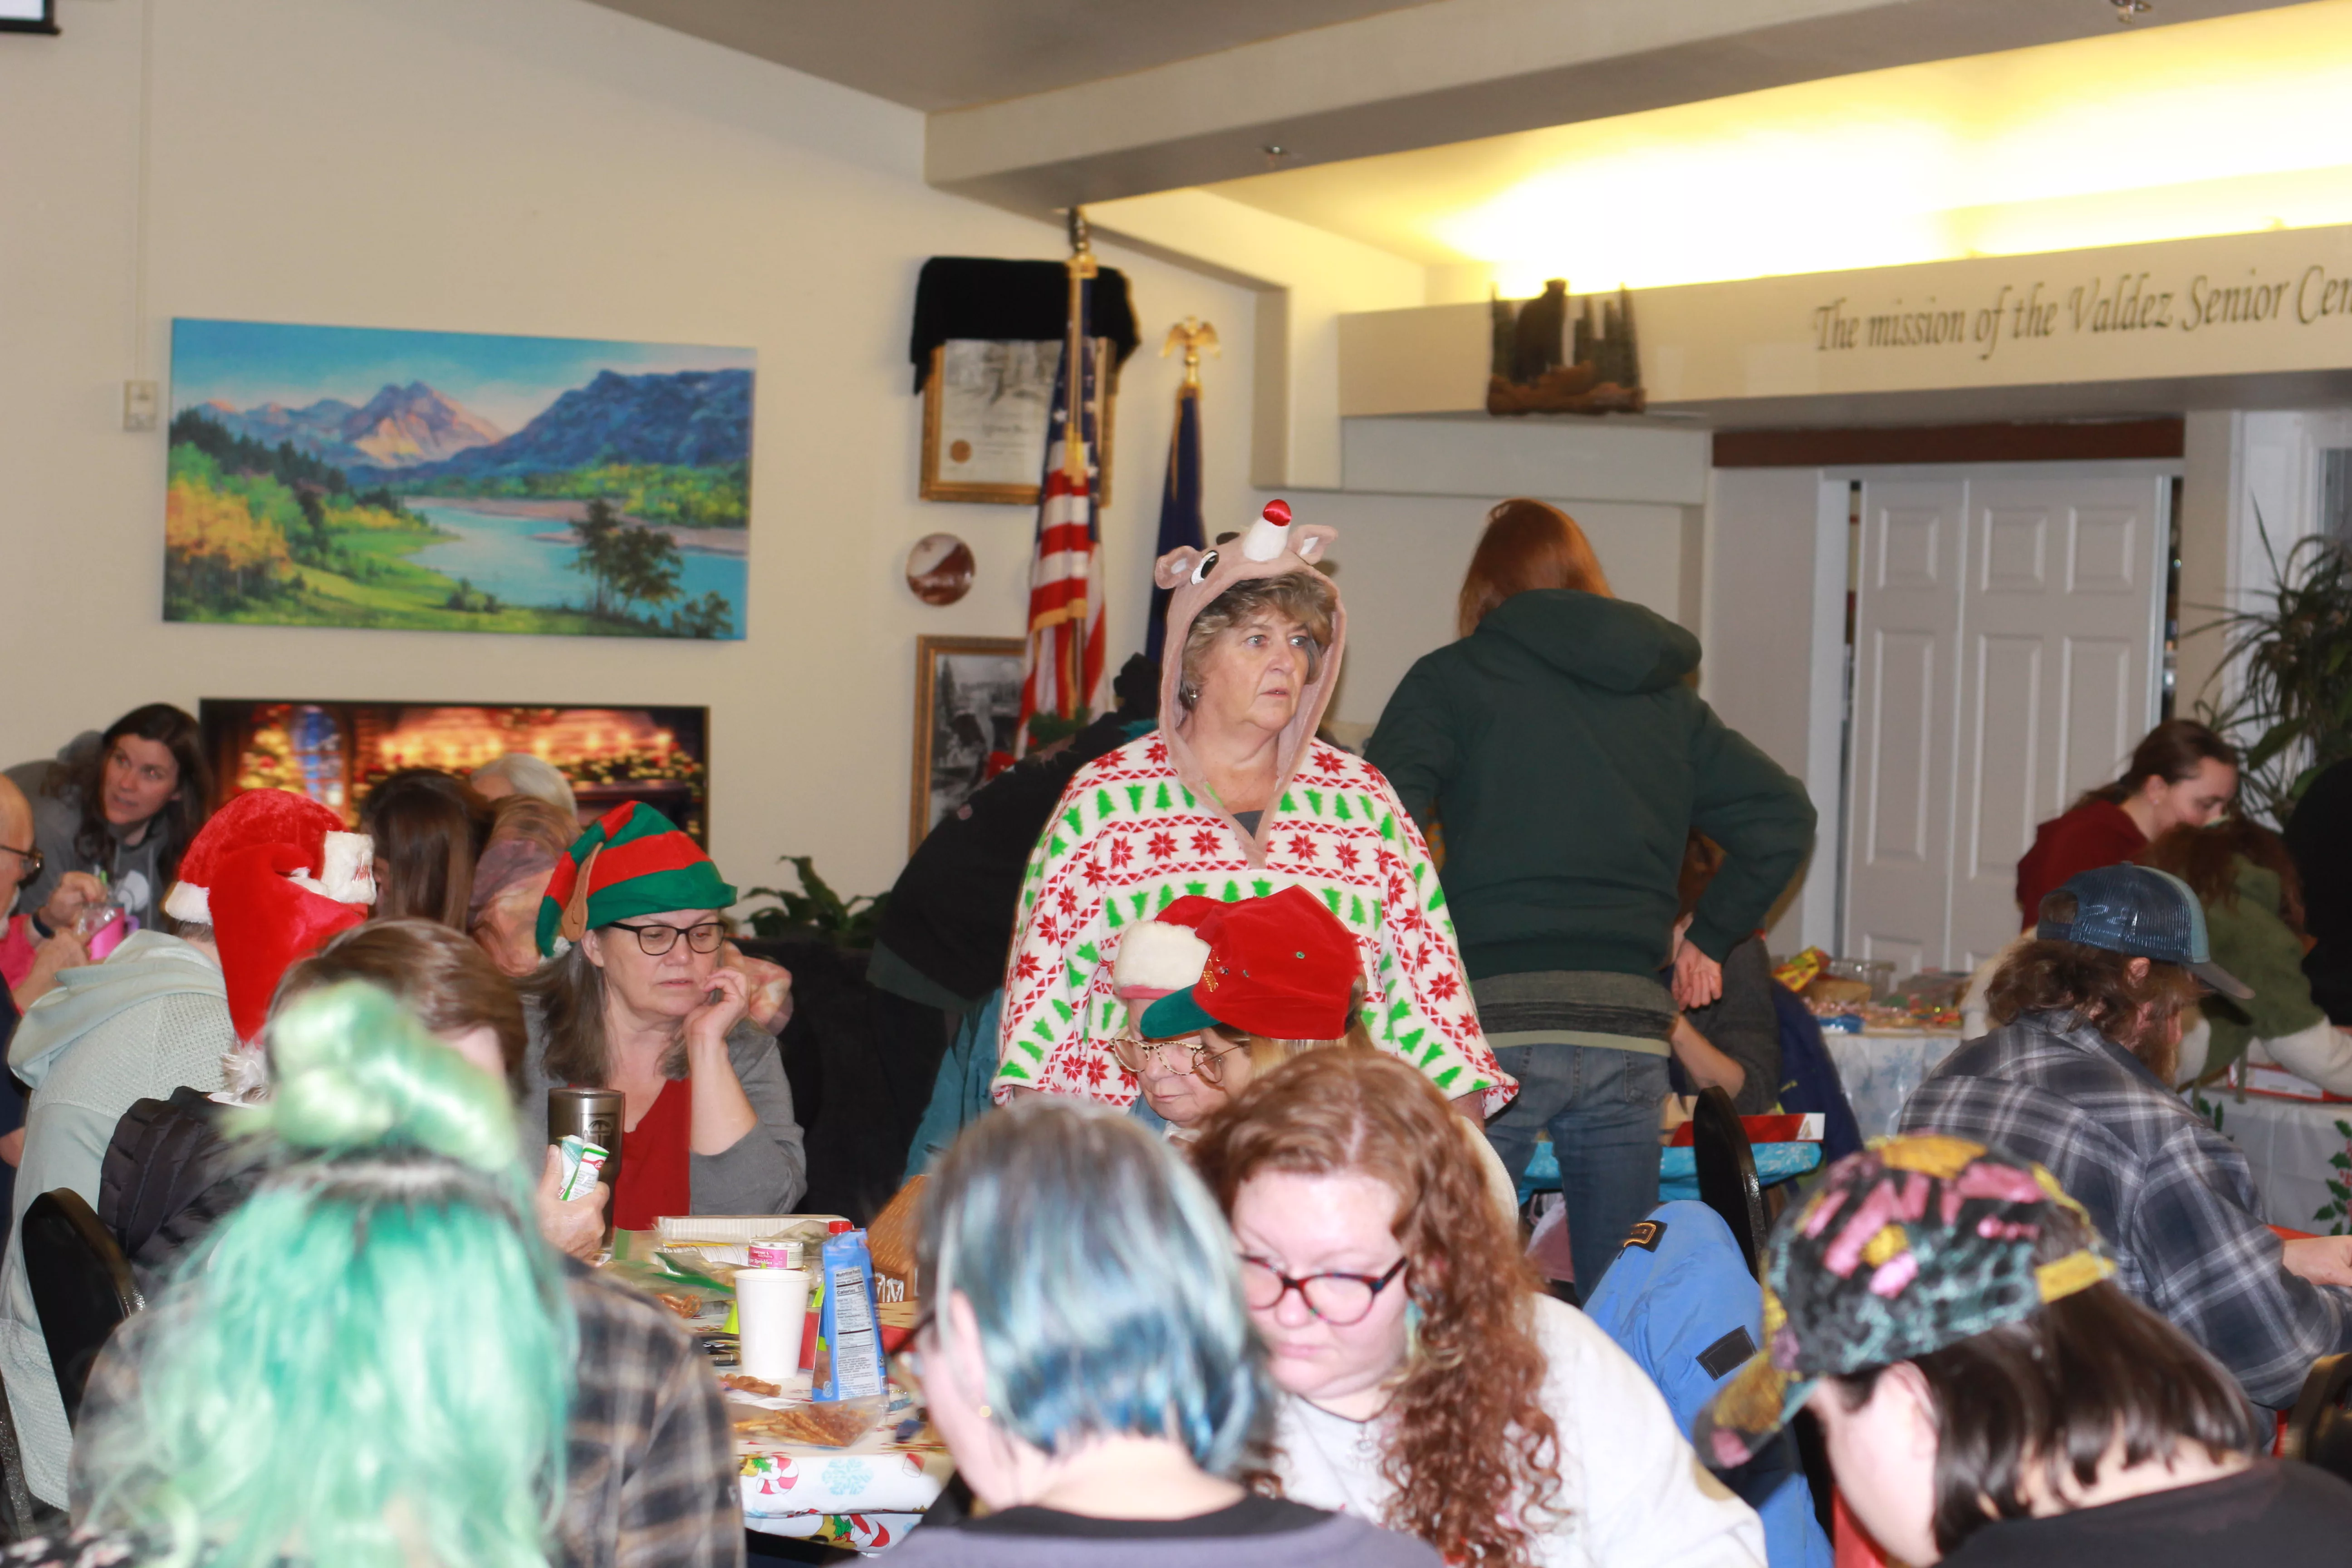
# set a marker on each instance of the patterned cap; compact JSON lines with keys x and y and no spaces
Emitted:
{"x":632,"y":861}
{"x":1912,"y":1244}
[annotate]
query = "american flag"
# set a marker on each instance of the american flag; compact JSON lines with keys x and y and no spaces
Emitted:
{"x":1062,"y":670}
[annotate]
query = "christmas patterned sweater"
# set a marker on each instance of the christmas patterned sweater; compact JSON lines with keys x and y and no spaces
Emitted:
{"x":1128,"y":839}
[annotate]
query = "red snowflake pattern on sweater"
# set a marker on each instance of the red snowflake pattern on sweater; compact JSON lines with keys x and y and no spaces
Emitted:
{"x":1342,"y":836}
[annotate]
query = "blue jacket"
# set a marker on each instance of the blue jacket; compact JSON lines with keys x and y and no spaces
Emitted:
{"x":1680,"y":1301}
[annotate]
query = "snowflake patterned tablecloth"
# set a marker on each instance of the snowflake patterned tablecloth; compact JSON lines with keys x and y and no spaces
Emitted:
{"x":866,"y":1496}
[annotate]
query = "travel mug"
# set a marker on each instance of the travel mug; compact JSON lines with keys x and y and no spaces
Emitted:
{"x":594,"y":1114}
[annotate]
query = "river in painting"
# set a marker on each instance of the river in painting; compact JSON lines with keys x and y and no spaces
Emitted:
{"x":520,"y":559}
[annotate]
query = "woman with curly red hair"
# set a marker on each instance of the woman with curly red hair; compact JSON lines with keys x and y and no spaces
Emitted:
{"x":1429,"y":1384}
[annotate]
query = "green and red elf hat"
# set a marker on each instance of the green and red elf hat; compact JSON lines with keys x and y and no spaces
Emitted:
{"x":632,"y":861}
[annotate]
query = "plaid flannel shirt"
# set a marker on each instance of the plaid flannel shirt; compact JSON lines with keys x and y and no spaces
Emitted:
{"x":650,"y":1475}
{"x":2173,"y":1198}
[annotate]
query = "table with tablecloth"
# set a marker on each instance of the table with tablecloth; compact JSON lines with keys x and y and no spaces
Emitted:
{"x":864,"y":1496}
{"x":1880,"y":1068}
{"x":2300,"y":1152}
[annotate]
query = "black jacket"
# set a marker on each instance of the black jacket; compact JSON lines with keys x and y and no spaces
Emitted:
{"x":951,"y":916}
{"x":168,"y":1177}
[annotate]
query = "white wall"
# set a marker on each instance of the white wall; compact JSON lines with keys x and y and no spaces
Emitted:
{"x":1774,"y":632}
{"x":531,"y":166}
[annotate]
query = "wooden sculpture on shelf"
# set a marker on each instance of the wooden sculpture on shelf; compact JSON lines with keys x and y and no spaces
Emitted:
{"x":1535,"y":372}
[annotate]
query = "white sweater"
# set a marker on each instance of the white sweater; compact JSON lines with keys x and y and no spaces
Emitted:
{"x":1636,"y":1497}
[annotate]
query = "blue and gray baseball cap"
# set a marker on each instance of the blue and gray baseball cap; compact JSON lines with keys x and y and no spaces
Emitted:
{"x":2139,"y":910}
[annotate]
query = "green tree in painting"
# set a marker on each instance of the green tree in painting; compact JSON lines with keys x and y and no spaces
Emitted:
{"x":597,"y":531}
{"x":708,"y":616}
{"x":646,"y":566}
{"x":628,"y":566}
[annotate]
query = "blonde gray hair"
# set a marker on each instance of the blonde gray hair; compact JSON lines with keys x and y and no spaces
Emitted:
{"x":1306,"y":597}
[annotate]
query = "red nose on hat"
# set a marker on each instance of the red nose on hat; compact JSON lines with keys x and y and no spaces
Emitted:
{"x":1277,"y":512}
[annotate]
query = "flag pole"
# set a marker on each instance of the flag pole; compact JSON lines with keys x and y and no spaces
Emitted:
{"x":1179,"y":491}
{"x":1082,"y":270}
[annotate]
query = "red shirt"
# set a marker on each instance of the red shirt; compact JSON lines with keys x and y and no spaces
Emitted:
{"x":2094,"y":834}
{"x":654,"y":1180}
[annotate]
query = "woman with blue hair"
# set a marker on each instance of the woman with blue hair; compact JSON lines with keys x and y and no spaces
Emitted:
{"x":1089,"y":1361}
{"x":376,"y":1363}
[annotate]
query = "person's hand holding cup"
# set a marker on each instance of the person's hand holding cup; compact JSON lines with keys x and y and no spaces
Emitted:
{"x":76,"y":892}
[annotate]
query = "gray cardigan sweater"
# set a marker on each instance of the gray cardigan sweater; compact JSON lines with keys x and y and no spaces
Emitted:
{"x":764,"y":1172}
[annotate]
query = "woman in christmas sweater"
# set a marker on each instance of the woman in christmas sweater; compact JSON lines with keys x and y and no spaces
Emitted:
{"x":1234,"y":797}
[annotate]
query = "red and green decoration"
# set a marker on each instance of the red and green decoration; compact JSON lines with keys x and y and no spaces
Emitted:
{"x":632,"y":861}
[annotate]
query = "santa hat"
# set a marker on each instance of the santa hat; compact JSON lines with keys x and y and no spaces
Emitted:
{"x":275,"y":875}
{"x":1281,"y":966}
{"x":1160,"y":956}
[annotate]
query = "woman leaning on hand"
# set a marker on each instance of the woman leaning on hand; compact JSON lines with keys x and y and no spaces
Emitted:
{"x":636,"y":997}
{"x":1429,"y":1384}
{"x":1235,"y":798}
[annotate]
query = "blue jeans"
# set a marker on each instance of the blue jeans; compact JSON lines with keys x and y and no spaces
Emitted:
{"x":1601,"y":1107}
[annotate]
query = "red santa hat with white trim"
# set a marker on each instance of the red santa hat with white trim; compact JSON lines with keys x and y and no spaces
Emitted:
{"x":275,"y":875}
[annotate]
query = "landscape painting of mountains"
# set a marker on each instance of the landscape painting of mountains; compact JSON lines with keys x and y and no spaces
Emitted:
{"x":457,"y":481}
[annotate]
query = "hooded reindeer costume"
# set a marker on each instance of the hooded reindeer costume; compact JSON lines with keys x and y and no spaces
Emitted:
{"x":1140,"y":829}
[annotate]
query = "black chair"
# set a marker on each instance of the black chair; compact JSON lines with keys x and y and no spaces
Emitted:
{"x":1727,"y":1174}
{"x":22,"y":1515}
{"x":81,"y":1287}
{"x":2320,"y":1430}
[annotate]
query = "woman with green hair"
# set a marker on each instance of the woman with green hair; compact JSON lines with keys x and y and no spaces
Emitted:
{"x":376,"y":1363}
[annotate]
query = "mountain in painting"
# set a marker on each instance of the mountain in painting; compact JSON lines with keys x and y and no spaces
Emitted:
{"x":695,"y":418}
{"x":400,"y":428}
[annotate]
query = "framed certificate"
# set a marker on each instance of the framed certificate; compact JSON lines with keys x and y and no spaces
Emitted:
{"x":985,"y":407}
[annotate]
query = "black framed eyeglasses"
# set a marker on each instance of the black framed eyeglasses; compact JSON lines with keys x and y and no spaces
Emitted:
{"x":1207,"y":1060}
{"x":1341,"y":1300}
{"x":657,"y":939}
{"x":31,"y":858}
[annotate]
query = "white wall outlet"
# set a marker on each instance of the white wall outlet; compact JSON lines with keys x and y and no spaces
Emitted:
{"x":141,"y":401}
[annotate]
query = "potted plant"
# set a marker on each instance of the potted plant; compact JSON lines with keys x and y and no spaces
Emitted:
{"x":2293,"y":712}
{"x":816,"y":912}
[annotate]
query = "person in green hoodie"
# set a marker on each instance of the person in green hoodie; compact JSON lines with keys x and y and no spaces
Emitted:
{"x":2246,"y":882}
{"x":1562,"y":748}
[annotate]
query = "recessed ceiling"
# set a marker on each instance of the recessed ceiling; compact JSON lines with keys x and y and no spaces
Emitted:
{"x":2220,"y":126}
{"x":946,"y":54}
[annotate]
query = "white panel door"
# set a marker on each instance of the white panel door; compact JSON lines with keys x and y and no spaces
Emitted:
{"x":1906,"y":637}
{"x":2061,"y":606}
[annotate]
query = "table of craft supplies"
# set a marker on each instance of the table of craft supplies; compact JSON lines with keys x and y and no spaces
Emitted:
{"x":864,"y":1496}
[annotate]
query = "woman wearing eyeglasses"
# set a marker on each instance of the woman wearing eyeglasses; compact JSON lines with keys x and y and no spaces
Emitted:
{"x":637,"y":998}
{"x":1428,"y":1383}
{"x":1088,"y":1359}
{"x":1218,"y":994}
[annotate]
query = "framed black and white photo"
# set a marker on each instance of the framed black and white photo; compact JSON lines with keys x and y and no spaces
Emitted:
{"x":985,"y":409}
{"x":28,"y":16}
{"x":967,"y":709}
